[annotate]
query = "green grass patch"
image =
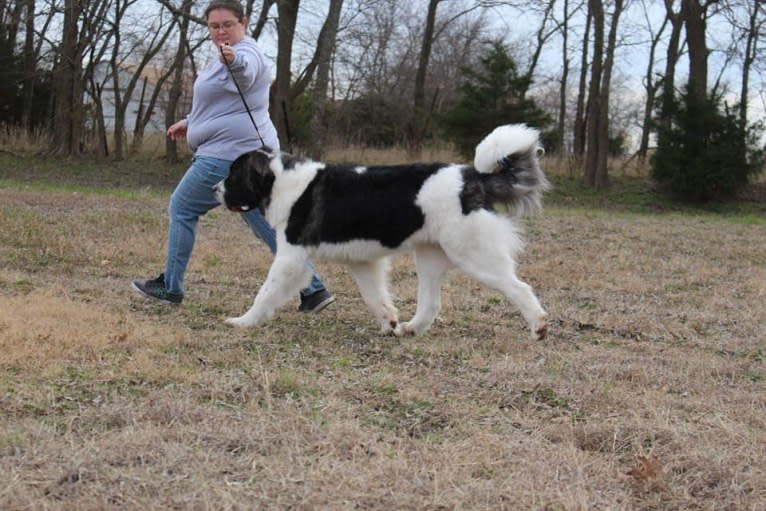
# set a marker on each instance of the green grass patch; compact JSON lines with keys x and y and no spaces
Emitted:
{"x":636,"y":194}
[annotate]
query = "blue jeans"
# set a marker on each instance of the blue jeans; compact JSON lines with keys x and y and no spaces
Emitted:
{"x":192,"y":198}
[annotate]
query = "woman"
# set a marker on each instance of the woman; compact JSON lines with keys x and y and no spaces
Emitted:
{"x":219,"y":129}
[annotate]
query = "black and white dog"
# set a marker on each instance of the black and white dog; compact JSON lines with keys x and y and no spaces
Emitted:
{"x":449,"y":214}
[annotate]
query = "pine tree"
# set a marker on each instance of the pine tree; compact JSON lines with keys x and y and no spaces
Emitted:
{"x":705,"y":152}
{"x":492,"y":94}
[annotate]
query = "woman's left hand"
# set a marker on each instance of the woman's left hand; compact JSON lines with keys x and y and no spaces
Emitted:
{"x":228,"y":54}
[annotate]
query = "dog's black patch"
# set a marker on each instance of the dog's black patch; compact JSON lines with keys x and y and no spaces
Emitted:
{"x":487,"y":191}
{"x":249,"y":182}
{"x":342,"y":205}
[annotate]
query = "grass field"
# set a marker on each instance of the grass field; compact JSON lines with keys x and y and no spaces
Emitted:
{"x":649,"y":393}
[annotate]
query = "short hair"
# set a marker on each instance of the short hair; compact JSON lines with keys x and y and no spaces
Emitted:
{"x":230,"y":5}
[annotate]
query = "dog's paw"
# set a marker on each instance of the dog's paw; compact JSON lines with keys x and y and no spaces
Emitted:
{"x":237,"y":322}
{"x":405,"y":329}
{"x":540,"y":328}
{"x":390,"y":328}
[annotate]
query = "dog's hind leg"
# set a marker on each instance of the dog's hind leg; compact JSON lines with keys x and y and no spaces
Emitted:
{"x":518,"y":292}
{"x":372,"y":279}
{"x":287,"y":275}
{"x":431,"y":264}
{"x":493,"y":266}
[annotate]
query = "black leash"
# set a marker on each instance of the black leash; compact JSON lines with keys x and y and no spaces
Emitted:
{"x":226,"y":61}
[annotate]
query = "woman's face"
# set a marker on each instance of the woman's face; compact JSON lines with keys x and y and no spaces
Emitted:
{"x":224,"y":27}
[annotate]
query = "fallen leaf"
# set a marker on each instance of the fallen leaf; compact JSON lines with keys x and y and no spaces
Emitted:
{"x":648,"y":468}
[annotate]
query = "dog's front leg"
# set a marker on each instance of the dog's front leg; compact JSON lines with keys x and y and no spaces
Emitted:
{"x":431,"y":264}
{"x":287,"y":275}
{"x":372,"y":279}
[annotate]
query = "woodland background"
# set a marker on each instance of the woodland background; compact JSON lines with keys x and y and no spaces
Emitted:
{"x":600,"y":78}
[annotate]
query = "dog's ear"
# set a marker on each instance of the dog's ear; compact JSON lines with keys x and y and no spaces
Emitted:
{"x":260,"y":160}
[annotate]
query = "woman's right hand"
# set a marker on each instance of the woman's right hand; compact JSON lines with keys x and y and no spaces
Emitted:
{"x":178,"y":130}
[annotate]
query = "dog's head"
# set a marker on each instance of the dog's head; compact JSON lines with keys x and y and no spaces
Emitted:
{"x":249,"y":183}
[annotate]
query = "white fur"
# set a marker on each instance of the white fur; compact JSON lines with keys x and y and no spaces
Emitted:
{"x":288,"y":186}
{"x":503,"y":140}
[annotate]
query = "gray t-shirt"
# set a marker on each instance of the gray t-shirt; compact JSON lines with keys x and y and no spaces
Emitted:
{"x":218,"y":125}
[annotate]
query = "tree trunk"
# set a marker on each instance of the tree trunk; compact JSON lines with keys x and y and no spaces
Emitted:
{"x":694,"y":20}
{"x":602,"y":175}
{"x":67,"y":126}
{"x":415,"y":130}
{"x":594,"y":93}
{"x":326,"y":47}
{"x":750,"y":50}
{"x":262,"y":18}
{"x":651,"y":93}
{"x":581,"y":119}
{"x":541,"y":37}
{"x":102,"y":144}
{"x":30,"y":66}
{"x":280,"y":97}
{"x":671,"y":59}
{"x":144,"y":112}
{"x":176,"y":89}
{"x":564,"y":77}
{"x":119,"y":113}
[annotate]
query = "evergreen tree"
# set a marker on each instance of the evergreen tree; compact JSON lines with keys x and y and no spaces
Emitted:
{"x":704,"y":152}
{"x":492,"y":94}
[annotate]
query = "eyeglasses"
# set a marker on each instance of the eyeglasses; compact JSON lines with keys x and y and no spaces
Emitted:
{"x":226,"y":26}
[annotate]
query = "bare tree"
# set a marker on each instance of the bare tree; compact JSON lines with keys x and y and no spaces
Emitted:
{"x":756,"y":21}
{"x":83,"y":30}
{"x":325,"y":48}
{"x":280,"y":92}
{"x":596,"y":8}
{"x":415,"y":131}
{"x":263,"y":16}
{"x":581,"y":110}
{"x":32,"y":57}
{"x":180,"y":85}
{"x":651,"y":84}
{"x":596,"y":173}
{"x":147,"y":44}
{"x":284,"y":90}
{"x":695,"y":20}
{"x":30,"y":64}
{"x":561,"y":124}
{"x":67,"y":128}
{"x":81,"y":20}
{"x":543,"y":34}
{"x":177,"y":84}
{"x":671,"y":60}
{"x":11,"y":16}
{"x":419,"y":120}
{"x":601,"y":178}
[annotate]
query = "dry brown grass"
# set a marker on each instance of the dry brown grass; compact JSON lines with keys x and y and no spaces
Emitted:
{"x":389,"y":156}
{"x":650,"y":392}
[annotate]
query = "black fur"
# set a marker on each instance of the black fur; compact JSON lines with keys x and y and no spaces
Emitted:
{"x":381,"y":199}
{"x":250,"y":181}
{"x":503,"y":188}
{"x":378,"y":204}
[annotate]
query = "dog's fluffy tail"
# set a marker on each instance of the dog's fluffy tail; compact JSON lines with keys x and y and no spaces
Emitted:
{"x":510,"y":154}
